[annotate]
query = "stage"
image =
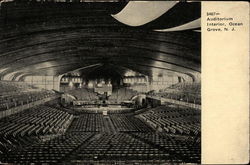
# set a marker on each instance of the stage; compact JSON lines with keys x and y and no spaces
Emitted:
{"x":102,"y":109}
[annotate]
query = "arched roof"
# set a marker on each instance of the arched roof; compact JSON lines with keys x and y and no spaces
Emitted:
{"x":55,"y":38}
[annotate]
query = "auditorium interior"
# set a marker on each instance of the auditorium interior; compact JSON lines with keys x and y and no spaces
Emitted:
{"x":90,"y":82}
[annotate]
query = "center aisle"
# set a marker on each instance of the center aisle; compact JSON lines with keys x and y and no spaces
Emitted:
{"x":109,"y":126}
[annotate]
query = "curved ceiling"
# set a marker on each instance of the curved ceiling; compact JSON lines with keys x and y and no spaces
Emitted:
{"x":55,"y":38}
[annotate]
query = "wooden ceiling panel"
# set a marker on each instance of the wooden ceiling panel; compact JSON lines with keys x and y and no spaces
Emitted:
{"x":42,"y":39}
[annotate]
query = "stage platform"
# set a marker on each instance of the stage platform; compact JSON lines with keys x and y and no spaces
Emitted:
{"x":103,"y":109}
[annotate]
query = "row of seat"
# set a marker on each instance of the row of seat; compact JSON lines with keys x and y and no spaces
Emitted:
{"x":7,"y":87}
{"x":173,"y":119}
{"x":10,"y":143}
{"x":111,"y":147}
{"x":181,"y":148}
{"x":22,"y":98}
{"x":128,"y":123}
{"x":186,"y":86}
{"x":119,"y":147}
{"x":51,"y":151}
{"x":87,"y":123}
{"x":187,"y":97}
{"x":90,"y":122}
{"x":188,"y":92}
{"x":37,"y":121}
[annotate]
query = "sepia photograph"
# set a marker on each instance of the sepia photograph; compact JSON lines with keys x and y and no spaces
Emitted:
{"x":100,"y":82}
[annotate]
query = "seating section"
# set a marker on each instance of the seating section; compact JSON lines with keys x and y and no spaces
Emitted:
{"x":52,"y":151}
{"x":134,"y":147}
{"x":187,"y":87}
{"x":38,"y":135}
{"x":119,"y":147}
{"x":173,"y":119}
{"x":14,"y":94}
{"x":128,"y":123}
{"x":87,"y":123}
{"x":10,"y":143}
{"x":188,"y":92}
{"x":9,"y":87}
{"x":181,"y":148}
{"x":38,"y":121}
{"x":22,"y":98}
{"x":83,"y":94}
{"x":121,"y":94}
